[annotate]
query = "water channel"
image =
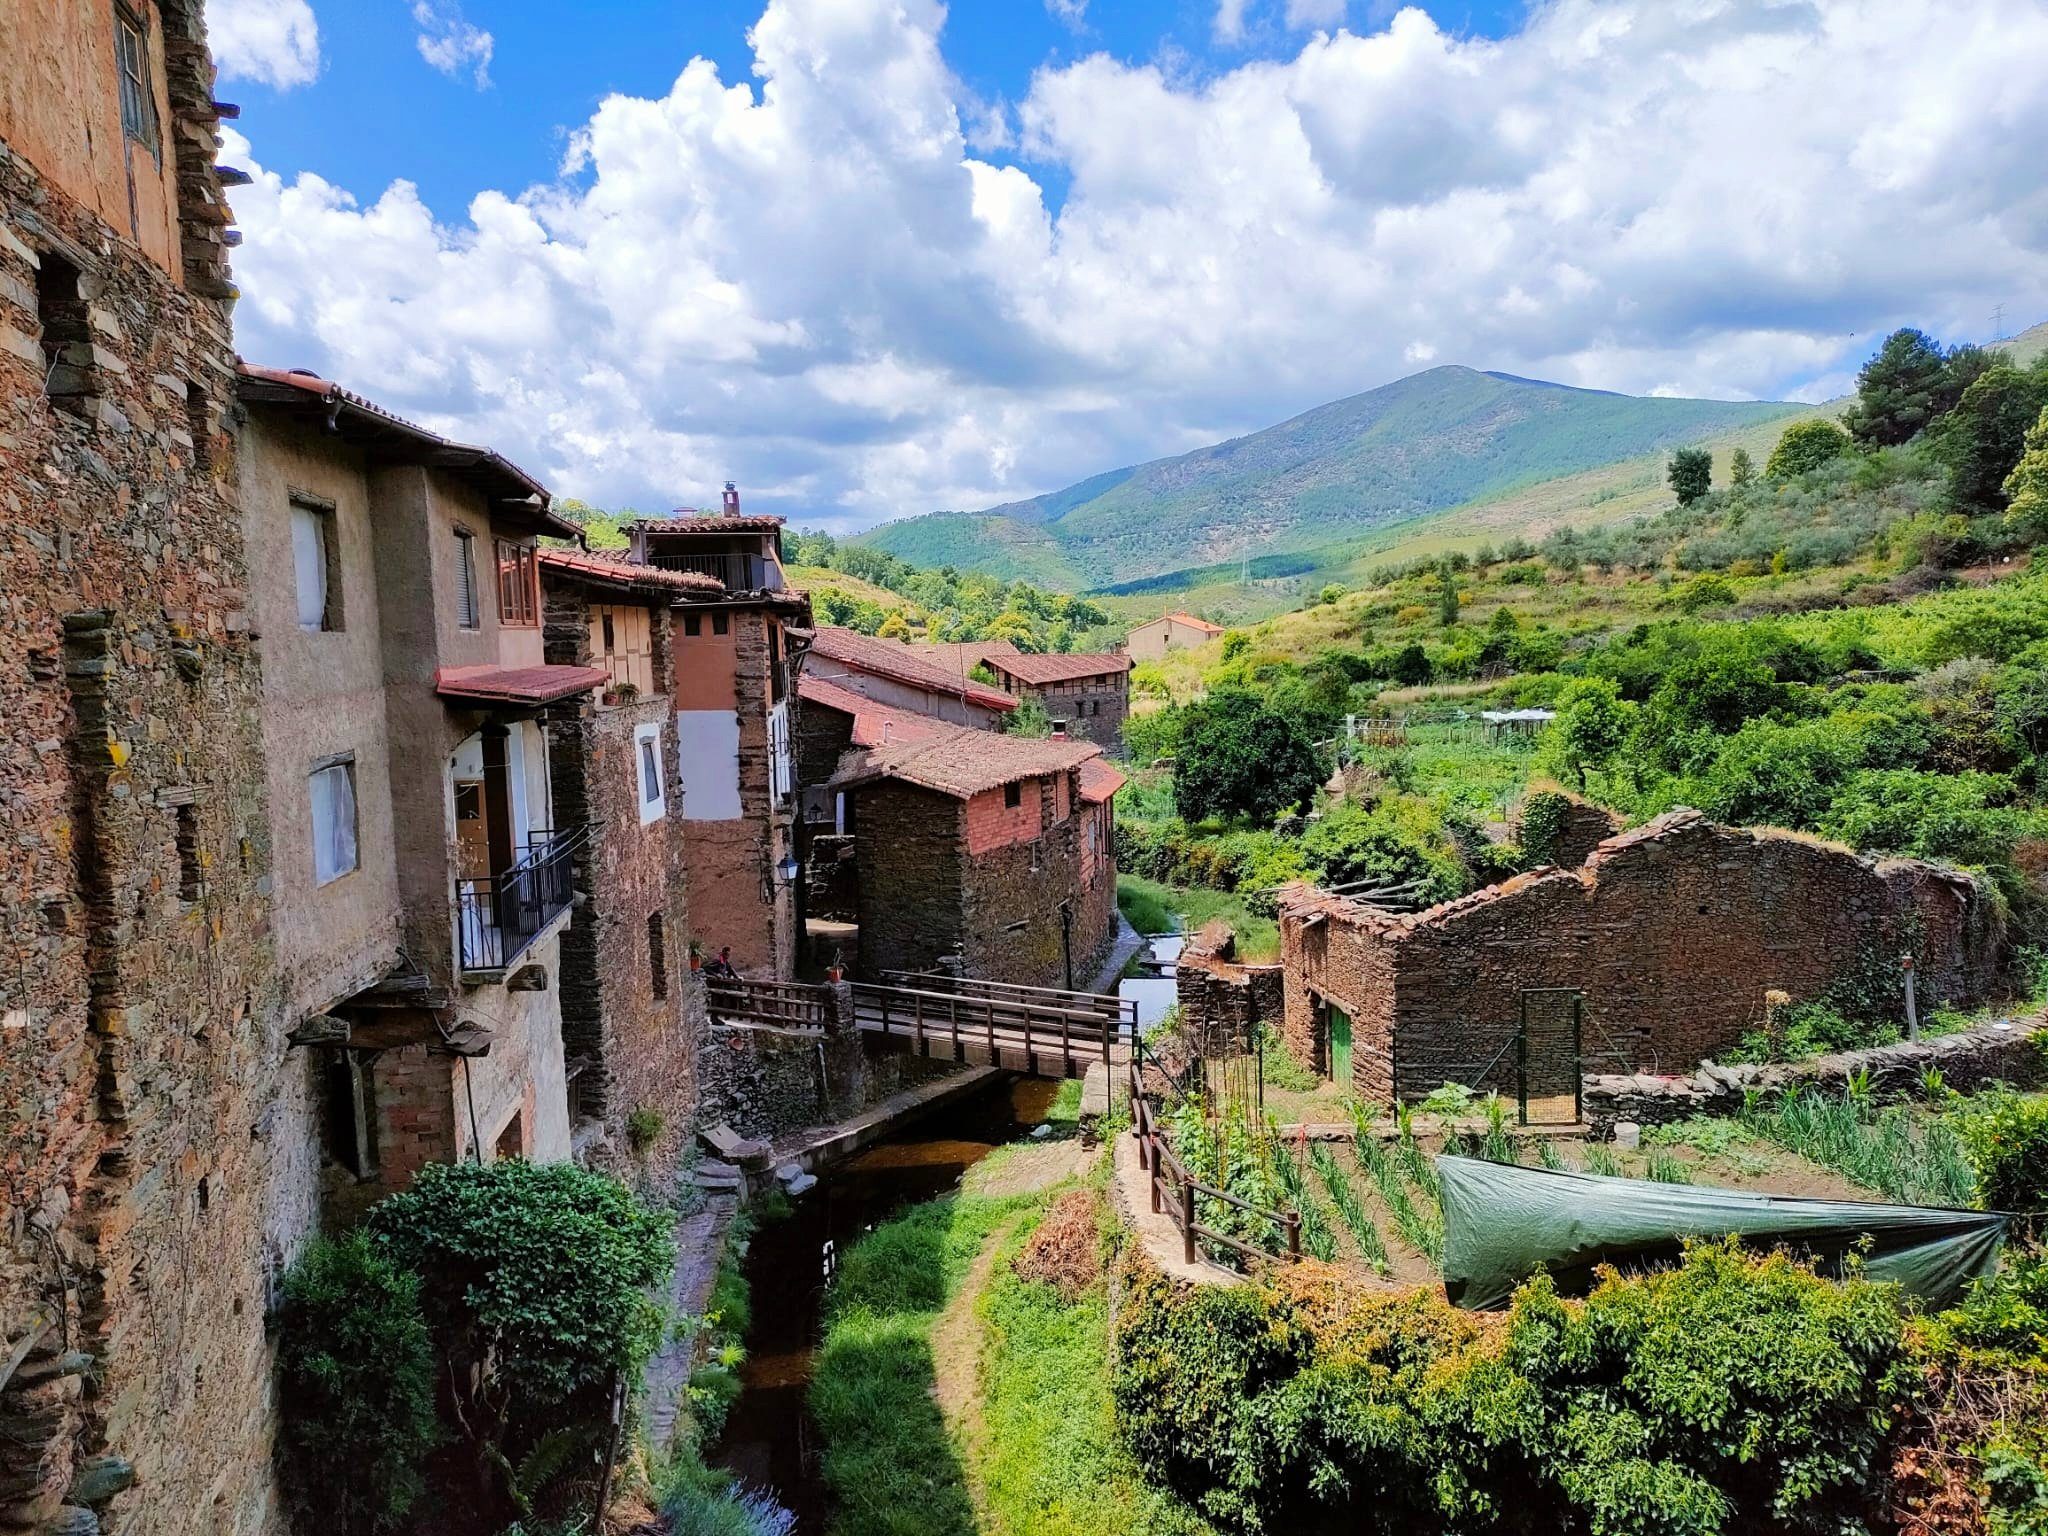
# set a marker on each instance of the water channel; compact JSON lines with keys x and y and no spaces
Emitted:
{"x":769,"y":1440}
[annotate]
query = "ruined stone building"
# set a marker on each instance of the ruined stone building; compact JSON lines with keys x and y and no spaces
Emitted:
{"x":421,"y":876}
{"x":738,"y":649}
{"x":144,"y":1088}
{"x":981,"y":850}
{"x":633,"y":1017}
{"x":1084,"y":696}
{"x":1668,"y":936}
{"x":901,"y":676}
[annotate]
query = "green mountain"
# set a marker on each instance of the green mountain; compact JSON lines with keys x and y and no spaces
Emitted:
{"x":1391,"y":455}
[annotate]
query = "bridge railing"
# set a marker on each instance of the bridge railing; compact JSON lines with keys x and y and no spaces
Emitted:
{"x":1119,"y":1010}
{"x":791,"y":1004}
{"x":960,"y":1019}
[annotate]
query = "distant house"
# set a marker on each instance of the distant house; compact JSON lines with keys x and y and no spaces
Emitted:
{"x":986,"y":849}
{"x":902,"y":676}
{"x":1084,"y":696}
{"x":1169,"y":632}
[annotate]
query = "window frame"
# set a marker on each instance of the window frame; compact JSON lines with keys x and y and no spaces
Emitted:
{"x":645,"y":737}
{"x":345,"y":764}
{"x":321,"y":513}
{"x":1013,"y":795}
{"x":133,"y":81}
{"x":469,"y":602}
{"x":518,"y":584}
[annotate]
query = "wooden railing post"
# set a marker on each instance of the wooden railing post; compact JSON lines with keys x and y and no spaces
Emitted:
{"x":1294,"y":1235}
{"x":1187,"y":1221}
{"x":917,"y":1024}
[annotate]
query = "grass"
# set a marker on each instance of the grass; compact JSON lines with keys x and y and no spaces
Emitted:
{"x":1152,"y":908}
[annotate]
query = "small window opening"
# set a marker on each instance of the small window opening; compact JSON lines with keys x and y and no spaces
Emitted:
{"x":657,"y":955}
{"x":352,"y":1112}
{"x":611,"y":643}
{"x":316,"y":564}
{"x":720,"y":623}
{"x":66,"y":334}
{"x":1013,"y":796}
{"x":693,"y":624}
{"x":138,"y":100}
{"x":191,"y":877}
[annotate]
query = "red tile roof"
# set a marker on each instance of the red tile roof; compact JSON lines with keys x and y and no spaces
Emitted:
{"x":885,"y":658}
{"x":1190,"y":620}
{"x":690,"y":520}
{"x":960,"y":656}
{"x":517,"y":685}
{"x":962,"y":762}
{"x":350,"y":414}
{"x":612,"y":568}
{"x":874,"y":724}
{"x":1039,"y":670}
{"x":1099,"y":781}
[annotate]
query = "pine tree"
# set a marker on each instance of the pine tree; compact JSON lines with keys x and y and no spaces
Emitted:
{"x":1741,"y":469}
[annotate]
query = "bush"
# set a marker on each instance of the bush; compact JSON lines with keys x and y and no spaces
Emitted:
{"x":1541,"y":824}
{"x":355,"y":1378}
{"x":2006,"y":1136}
{"x":1806,"y":446}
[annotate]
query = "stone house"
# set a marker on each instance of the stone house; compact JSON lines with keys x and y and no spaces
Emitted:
{"x":422,"y":877}
{"x":738,"y":649}
{"x":1084,"y":696}
{"x":982,"y":850}
{"x":1169,"y":632}
{"x":1669,"y":935}
{"x":901,"y":676}
{"x":633,"y":1018}
{"x":149,"y":1126}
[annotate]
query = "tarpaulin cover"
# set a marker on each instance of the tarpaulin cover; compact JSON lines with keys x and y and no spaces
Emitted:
{"x":1502,"y":1224}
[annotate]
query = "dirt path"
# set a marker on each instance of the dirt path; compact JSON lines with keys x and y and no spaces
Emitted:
{"x":956,"y":1361}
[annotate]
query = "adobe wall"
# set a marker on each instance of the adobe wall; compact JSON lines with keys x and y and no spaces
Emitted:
{"x":1673,"y":932}
{"x":154,"y":1132}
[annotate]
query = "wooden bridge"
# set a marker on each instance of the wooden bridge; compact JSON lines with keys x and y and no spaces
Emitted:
{"x":1042,"y":1031}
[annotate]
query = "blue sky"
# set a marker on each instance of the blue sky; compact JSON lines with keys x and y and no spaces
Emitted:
{"x":877,"y":257}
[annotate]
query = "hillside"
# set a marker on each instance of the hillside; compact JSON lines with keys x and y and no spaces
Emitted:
{"x":2025,"y":347}
{"x":1346,"y":471}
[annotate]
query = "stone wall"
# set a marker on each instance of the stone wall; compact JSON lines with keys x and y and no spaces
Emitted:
{"x":2004,"y":1051}
{"x":1221,"y":1000}
{"x":155,"y":1144}
{"x":909,"y":856}
{"x":767,"y":1080}
{"x":1673,"y":933}
{"x":1583,"y":827}
{"x":1093,"y":707}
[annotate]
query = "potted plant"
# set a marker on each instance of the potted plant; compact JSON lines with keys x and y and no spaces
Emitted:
{"x":836,"y":971}
{"x":696,"y":956}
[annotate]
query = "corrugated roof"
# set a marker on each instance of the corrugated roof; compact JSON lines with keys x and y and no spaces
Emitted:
{"x":1039,"y":670}
{"x":958,"y":761}
{"x":352,"y":415}
{"x":1099,"y":781}
{"x":517,"y":685}
{"x":603,"y":567}
{"x":885,"y":658}
{"x":874,"y":724}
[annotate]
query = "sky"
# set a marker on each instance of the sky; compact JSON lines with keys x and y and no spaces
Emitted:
{"x":871,"y":258}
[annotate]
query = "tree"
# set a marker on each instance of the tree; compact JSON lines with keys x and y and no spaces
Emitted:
{"x":1238,"y":758}
{"x":1741,"y":470}
{"x":1447,"y":597}
{"x":1983,"y":438}
{"x":1593,"y":721}
{"x":1691,"y":473}
{"x":2026,"y":488}
{"x":1806,"y":446}
{"x":1899,"y":391}
{"x":1028,"y":719}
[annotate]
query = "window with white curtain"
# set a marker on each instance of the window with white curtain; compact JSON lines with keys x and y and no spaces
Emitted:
{"x":331,"y":792}
{"x":653,"y":797}
{"x":310,"y":527}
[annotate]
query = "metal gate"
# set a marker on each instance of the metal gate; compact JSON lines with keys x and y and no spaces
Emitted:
{"x":1548,"y":1055}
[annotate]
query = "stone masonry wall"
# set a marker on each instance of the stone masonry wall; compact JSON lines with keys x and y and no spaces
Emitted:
{"x":1221,"y":1000}
{"x":909,"y":856}
{"x":1072,"y":702}
{"x":632,"y":1019}
{"x":1011,"y":901}
{"x":1673,"y":932}
{"x":155,"y":1147}
{"x":765,"y":1080}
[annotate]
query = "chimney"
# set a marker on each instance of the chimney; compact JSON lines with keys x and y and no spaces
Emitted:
{"x":732,"y":499}
{"x":1059,"y":731}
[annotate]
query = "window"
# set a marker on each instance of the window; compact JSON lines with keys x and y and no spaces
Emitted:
{"x":352,"y":1111}
{"x":1013,"y":796}
{"x":657,"y":955}
{"x":131,"y":53}
{"x":331,"y":790}
{"x":66,"y":337}
{"x":611,"y":637}
{"x":693,"y":624}
{"x":466,"y":606}
{"x":775,"y":686}
{"x":647,"y":753}
{"x":191,"y":867}
{"x":720,"y":623}
{"x":314,"y":562}
{"x":518,"y":585}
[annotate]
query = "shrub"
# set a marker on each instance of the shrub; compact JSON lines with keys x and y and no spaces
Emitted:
{"x":356,"y":1387}
{"x":2006,"y":1136}
{"x":1806,"y":446}
{"x":1238,"y":758}
{"x":1541,"y":824}
{"x":643,"y":1127}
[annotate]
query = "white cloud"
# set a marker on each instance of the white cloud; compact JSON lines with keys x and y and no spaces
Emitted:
{"x":274,"y":42}
{"x":1303,"y":14}
{"x":1229,"y":24}
{"x":450,"y":43}
{"x":824,"y":283}
{"x":1072,"y":12}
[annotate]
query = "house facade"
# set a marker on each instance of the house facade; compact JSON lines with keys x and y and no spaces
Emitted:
{"x":902,"y":677}
{"x":738,"y":647}
{"x":1084,"y":696}
{"x":148,"y":1116}
{"x":1169,"y":632}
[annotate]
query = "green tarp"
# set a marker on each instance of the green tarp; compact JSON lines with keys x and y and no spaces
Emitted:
{"x":1502,"y":1224}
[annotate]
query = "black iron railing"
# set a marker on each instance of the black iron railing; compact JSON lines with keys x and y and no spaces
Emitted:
{"x":739,"y":572}
{"x":498,"y":917}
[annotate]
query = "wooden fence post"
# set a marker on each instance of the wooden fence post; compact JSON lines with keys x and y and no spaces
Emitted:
{"x":1187,"y":1221}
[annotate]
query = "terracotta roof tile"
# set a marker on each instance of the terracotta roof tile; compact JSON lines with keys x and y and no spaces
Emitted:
{"x":885,"y":658}
{"x":874,"y":724}
{"x":516,"y":685}
{"x":1192,"y":621}
{"x":1038,"y":670}
{"x":612,"y":567}
{"x":959,"y":761}
{"x":689,"y":520}
{"x":1099,"y":781}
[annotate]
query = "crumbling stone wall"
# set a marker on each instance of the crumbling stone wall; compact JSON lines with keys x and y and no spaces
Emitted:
{"x":154,"y":1144}
{"x":1673,"y":932}
{"x":1221,"y":1000}
{"x":1581,"y":827}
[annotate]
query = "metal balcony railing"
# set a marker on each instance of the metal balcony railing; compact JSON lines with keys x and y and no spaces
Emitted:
{"x":498,"y":918}
{"x":739,"y":573}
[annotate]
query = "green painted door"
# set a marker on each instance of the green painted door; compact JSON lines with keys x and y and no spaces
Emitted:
{"x":1340,"y":1045}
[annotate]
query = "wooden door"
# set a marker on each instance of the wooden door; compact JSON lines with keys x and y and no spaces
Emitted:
{"x":1340,"y":1044}
{"x":472,"y":830}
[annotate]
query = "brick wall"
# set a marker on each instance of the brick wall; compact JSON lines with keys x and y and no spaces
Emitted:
{"x":631,"y":1041}
{"x":154,"y":1143}
{"x":1673,"y":932}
